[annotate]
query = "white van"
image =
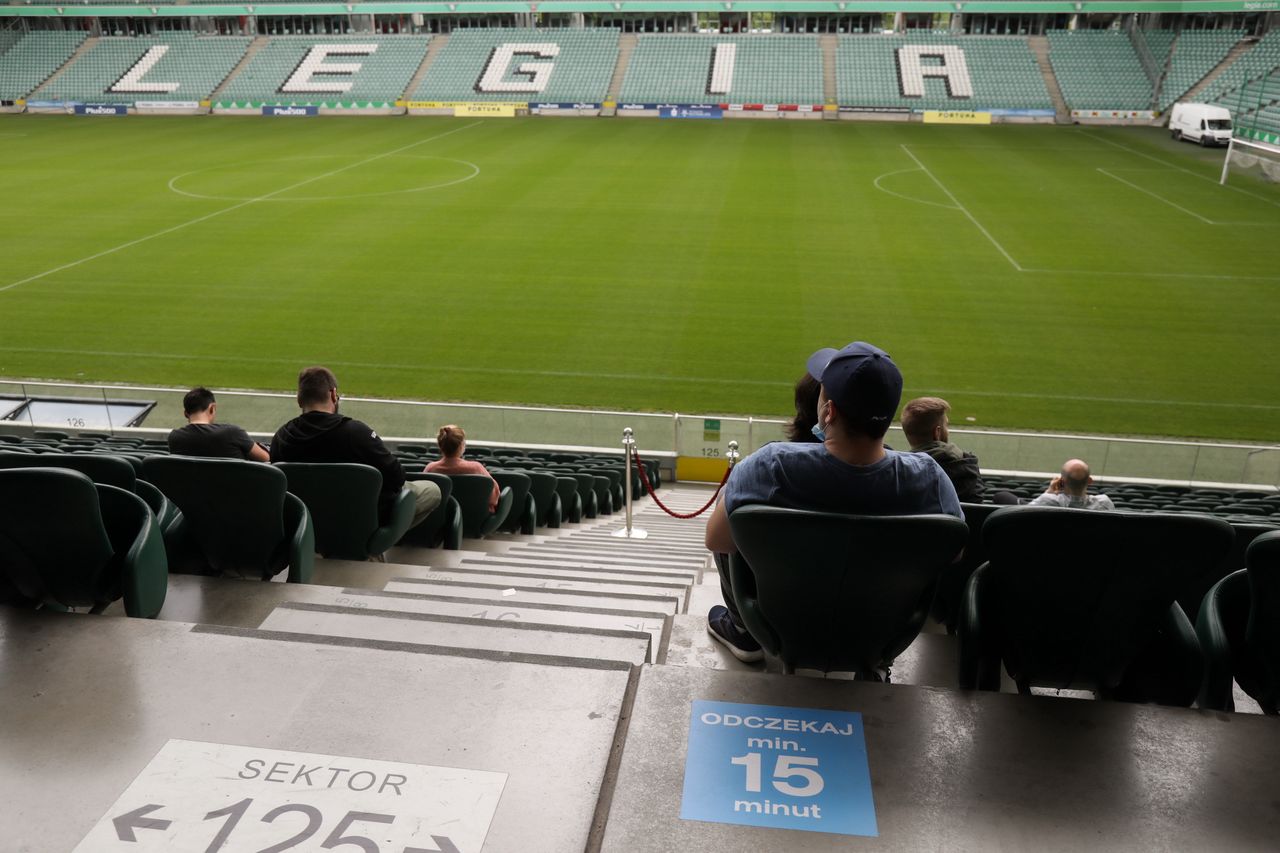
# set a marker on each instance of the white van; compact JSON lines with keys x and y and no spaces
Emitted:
{"x":1203,"y":123}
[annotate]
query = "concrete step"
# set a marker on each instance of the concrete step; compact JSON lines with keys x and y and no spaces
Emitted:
{"x":549,"y":727}
{"x":601,"y":554}
{"x":565,"y":570}
{"x":621,"y":601}
{"x":534,"y":580}
{"x":568,"y":579}
{"x":591,"y":567}
{"x":655,"y":624}
{"x":452,"y":632}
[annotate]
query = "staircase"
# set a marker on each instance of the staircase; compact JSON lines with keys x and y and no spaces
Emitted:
{"x":829,"y":93}
{"x":84,"y":47}
{"x":1237,"y":51}
{"x":433,"y":50}
{"x":626,"y":46}
{"x":1040,"y":47}
{"x":256,"y":45}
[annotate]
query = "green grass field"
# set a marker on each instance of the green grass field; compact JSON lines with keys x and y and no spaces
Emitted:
{"x":1094,"y":280}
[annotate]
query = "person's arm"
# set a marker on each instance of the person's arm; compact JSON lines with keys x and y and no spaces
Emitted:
{"x":496,"y":494}
{"x":373,"y":452}
{"x":719,"y":536}
{"x":257,"y":454}
{"x":1047,"y":499}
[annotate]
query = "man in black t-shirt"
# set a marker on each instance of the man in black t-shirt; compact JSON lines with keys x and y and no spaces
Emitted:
{"x":320,"y":434}
{"x":202,"y":437}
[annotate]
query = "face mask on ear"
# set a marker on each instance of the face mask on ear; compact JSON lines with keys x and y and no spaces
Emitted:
{"x":818,"y":433}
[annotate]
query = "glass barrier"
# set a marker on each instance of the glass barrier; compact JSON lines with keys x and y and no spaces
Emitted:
{"x":703,"y":436}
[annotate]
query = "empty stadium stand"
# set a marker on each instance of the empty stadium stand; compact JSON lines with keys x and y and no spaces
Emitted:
{"x":33,"y":59}
{"x":724,"y":69}
{"x":175,"y":66}
{"x":939,"y":71}
{"x":326,"y":71}
{"x":522,"y":65}
{"x":1250,"y":87}
{"x":1099,"y":70}
{"x":1195,"y":54}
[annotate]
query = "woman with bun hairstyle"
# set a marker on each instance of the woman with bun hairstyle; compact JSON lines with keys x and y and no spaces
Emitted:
{"x":453,"y":443}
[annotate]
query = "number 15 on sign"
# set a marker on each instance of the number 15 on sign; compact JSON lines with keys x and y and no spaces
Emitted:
{"x":771,"y":766}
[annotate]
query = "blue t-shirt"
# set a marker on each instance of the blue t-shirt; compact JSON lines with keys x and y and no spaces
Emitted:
{"x":807,"y":476}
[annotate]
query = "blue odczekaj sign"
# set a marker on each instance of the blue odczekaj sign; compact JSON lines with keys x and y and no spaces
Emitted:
{"x":788,"y":768}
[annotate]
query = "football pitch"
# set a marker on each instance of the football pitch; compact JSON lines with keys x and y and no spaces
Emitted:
{"x":1078,"y":279}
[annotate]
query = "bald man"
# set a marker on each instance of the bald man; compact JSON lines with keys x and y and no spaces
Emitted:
{"x":1071,"y":489}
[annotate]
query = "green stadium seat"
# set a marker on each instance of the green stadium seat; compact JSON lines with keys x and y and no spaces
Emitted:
{"x":546,"y":499}
{"x":34,"y":59}
{"x":66,"y":542}
{"x":767,"y":70}
{"x":444,"y":525}
{"x":580,"y":72}
{"x":195,"y":64}
{"x":1239,"y":628}
{"x":342,"y":499}
{"x":236,"y":518}
{"x":1082,"y":599}
{"x":472,"y":492}
{"x":837,"y":593}
{"x":1099,"y":70}
{"x":382,"y":78}
{"x":102,"y":468}
{"x":570,"y":499}
{"x":1002,"y":70}
{"x":523,"y":517}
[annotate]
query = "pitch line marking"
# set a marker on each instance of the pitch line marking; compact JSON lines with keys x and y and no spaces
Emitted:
{"x":876,"y":184}
{"x":475,"y":172}
{"x":1149,"y":274}
{"x":1177,"y":167}
{"x":1157,"y":197}
{"x":963,"y":209}
{"x":701,"y":380}
{"x":234,"y":207}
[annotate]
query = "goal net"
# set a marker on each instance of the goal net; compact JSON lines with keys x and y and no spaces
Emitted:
{"x":1258,"y":160}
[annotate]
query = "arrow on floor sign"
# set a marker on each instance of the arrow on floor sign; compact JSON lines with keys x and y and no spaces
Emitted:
{"x":125,"y":824}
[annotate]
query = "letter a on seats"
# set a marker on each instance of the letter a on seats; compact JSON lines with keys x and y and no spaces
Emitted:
{"x":954,"y":70}
{"x":131,"y":82}
{"x":720,"y":77}
{"x":538,"y":74}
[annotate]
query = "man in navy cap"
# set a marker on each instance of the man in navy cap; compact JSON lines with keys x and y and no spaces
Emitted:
{"x":851,"y":471}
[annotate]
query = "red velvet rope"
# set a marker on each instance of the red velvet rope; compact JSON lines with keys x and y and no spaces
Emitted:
{"x":644,"y":478}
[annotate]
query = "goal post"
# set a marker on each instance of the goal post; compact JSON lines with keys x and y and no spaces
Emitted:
{"x":1253,"y":157}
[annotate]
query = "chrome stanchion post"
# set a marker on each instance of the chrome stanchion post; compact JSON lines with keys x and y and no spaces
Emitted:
{"x":629,"y":452}
{"x":733,"y":455}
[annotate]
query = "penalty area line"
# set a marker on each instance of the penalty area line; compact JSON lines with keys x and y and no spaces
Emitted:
{"x":1175,"y":166}
{"x":1157,"y":197}
{"x":960,"y":207}
{"x":232,"y":208}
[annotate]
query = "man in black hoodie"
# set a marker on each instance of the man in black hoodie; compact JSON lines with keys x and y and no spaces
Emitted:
{"x":320,"y":434}
{"x":925,"y":423}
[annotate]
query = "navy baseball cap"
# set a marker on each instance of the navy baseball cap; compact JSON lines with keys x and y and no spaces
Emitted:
{"x":862,"y":381}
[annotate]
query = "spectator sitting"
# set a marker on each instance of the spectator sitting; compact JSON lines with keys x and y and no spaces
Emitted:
{"x":801,"y":426}
{"x":202,"y":437}
{"x":851,"y":471}
{"x":453,"y":443}
{"x":1071,"y":489}
{"x":925,"y":423}
{"x":320,"y":434}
